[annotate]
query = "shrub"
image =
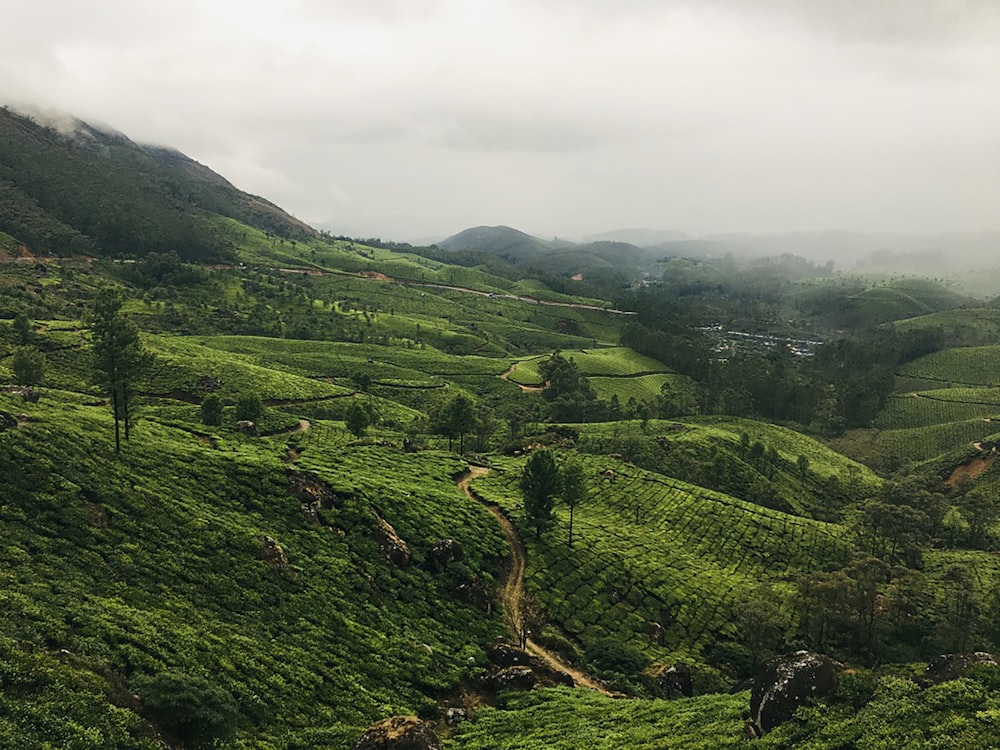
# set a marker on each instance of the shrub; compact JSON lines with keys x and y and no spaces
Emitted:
{"x":248,"y":407}
{"x":194,"y":710}
{"x":211,"y":410}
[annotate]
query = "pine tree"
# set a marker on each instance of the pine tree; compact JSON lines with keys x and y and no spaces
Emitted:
{"x":119,"y":359}
{"x":540,"y":483}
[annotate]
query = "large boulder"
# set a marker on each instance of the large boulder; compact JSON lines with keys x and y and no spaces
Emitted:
{"x":512,"y":678}
{"x":786,"y":683}
{"x":676,"y":681}
{"x":505,"y":654}
{"x":444,"y":553}
{"x":313,"y":495}
{"x":392,"y":547}
{"x":399,"y":733}
{"x":952,"y":666}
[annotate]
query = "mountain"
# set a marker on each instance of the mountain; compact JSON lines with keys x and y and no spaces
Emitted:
{"x":78,"y":189}
{"x":507,"y":242}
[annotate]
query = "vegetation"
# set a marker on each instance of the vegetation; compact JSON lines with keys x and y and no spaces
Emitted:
{"x":742,"y":458}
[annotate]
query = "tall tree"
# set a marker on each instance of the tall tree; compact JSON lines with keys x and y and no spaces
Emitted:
{"x":540,"y":483}
{"x":28,"y":365}
{"x":119,"y":358}
{"x":22,"y":329}
{"x":574,"y":489}
{"x":356,"y":419}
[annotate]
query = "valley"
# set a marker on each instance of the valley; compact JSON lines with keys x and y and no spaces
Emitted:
{"x":322,"y":509}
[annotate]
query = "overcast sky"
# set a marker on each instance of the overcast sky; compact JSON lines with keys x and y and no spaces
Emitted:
{"x":417,"y":118}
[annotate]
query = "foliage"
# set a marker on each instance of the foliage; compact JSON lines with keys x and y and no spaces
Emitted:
{"x":196,"y":711}
{"x":28,"y":365}
{"x":540,"y":484}
{"x":119,"y":359}
{"x":211,"y":410}
{"x":248,"y":407}
{"x":356,"y":419}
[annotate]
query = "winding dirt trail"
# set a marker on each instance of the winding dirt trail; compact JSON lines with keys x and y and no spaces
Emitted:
{"x":512,"y":592}
{"x":505,"y":375}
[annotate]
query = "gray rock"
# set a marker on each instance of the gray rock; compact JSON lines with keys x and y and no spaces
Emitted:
{"x":786,"y":683}
{"x":512,"y":678}
{"x":399,"y":733}
{"x":676,"y":681}
{"x":949,"y":667}
{"x":444,"y":553}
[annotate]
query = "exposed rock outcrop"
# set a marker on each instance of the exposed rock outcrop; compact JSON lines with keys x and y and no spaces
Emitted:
{"x":313,"y":495}
{"x":505,"y":654}
{"x":246,"y":427}
{"x":444,"y":553}
{"x":676,"y":681}
{"x":392,"y":547}
{"x":787,"y":682}
{"x":272,"y":552}
{"x":399,"y":733}
{"x":949,"y":667}
{"x":512,"y":678}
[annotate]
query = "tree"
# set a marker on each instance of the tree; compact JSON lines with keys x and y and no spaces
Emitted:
{"x":22,"y":329}
{"x":248,"y":408}
{"x":455,"y":419}
{"x":119,"y":358}
{"x":981,"y":510}
{"x":28,"y":365}
{"x":574,"y":489}
{"x":211,"y":410}
{"x":356,"y":419}
{"x":540,"y":483}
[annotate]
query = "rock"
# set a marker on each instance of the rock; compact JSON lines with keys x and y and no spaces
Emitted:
{"x":313,"y":495}
{"x":444,"y":553}
{"x":655,"y":632}
{"x":394,"y":549}
{"x":209,"y":383}
{"x":676,"y":681}
{"x":399,"y":733}
{"x":272,"y":552}
{"x":563,"y":678}
{"x":473,"y":591}
{"x":505,"y":654}
{"x":246,"y":427}
{"x":512,"y":678}
{"x":952,"y":666}
{"x":786,"y":683}
{"x":455,"y":716}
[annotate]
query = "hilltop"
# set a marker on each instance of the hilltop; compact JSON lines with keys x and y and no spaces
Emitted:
{"x":84,"y":190}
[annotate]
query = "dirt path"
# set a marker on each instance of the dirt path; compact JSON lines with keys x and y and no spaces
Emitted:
{"x":505,"y":375}
{"x":972,"y":468}
{"x":512,"y":591}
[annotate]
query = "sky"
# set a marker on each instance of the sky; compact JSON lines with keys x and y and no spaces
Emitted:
{"x":414,"y":119}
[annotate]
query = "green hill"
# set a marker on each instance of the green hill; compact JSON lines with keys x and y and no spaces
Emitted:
{"x":92,"y":191}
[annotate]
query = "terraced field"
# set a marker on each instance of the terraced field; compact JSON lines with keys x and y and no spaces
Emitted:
{"x":654,"y":549}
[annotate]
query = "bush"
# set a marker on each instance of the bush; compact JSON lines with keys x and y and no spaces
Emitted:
{"x":211,"y":410}
{"x":28,"y":365}
{"x":608,"y":655}
{"x":248,"y":407}
{"x":192,"y":709}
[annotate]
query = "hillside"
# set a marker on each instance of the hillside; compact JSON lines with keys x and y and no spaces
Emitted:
{"x":348,"y":469}
{"x":84,"y":190}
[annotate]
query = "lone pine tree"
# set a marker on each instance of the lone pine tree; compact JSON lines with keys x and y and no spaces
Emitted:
{"x":119,"y":358}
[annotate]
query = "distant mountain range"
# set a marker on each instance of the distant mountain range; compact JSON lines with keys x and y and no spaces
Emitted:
{"x":913,"y":252}
{"x":73,"y":188}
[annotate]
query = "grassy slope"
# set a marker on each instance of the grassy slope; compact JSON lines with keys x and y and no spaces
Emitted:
{"x":651,"y":548}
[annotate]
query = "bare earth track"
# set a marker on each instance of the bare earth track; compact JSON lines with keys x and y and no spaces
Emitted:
{"x":512,"y":591}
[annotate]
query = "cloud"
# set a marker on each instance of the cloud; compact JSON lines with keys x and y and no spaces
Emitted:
{"x":404,"y":117}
